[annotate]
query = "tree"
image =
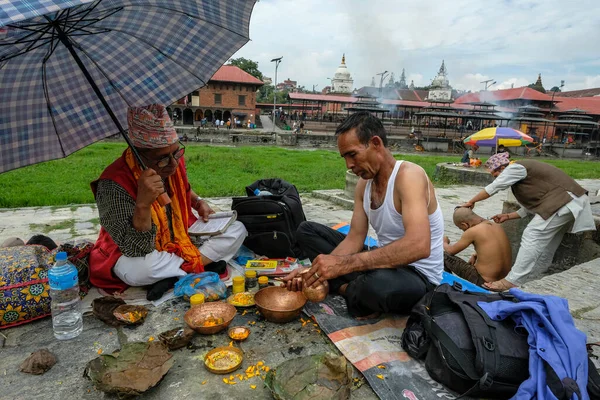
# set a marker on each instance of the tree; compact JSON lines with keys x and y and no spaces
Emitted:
{"x":247,"y":65}
{"x":265,"y":95}
{"x":555,"y":89}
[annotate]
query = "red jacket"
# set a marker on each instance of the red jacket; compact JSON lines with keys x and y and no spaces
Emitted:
{"x":105,"y":252}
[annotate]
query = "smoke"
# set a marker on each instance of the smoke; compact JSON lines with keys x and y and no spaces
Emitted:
{"x":490,"y":97}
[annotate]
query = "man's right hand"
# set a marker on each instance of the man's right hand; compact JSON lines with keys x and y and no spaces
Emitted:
{"x":150,"y":186}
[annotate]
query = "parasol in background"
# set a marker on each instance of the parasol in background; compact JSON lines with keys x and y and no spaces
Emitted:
{"x":69,"y":69}
{"x":493,"y":137}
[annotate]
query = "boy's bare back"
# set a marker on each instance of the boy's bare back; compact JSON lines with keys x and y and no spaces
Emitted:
{"x":494,"y":254}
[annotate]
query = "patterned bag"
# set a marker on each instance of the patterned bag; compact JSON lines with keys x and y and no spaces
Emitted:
{"x":24,"y":289}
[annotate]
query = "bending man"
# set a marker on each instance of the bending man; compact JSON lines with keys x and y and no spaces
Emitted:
{"x":493,"y":256}
{"x":140,"y":242}
{"x":558,"y":203}
{"x":397,"y":199}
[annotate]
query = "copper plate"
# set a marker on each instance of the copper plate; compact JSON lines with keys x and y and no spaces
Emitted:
{"x":223,"y":367}
{"x":196,"y":315}
{"x":277,"y":304}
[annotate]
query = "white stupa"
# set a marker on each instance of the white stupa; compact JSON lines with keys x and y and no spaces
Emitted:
{"x":440,"y":89}
{"x":342,"y":82}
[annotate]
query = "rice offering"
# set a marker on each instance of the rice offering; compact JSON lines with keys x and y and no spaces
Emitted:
{"x":244,"y":299}
{"x":223,"y":360}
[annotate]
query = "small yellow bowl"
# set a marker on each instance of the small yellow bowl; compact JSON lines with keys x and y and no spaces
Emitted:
{"x":223,"y":360}
{"x":238,"y":333}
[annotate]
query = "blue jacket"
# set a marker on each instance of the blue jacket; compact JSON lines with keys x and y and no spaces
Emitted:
{"x":552,"y":338}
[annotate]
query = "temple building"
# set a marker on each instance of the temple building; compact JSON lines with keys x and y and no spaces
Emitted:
{"x":401,"y":84}
{"x":342,"y":82}
{"x":440,"y":89}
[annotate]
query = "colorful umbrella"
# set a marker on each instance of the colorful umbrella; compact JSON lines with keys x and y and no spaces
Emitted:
{"x":493,"y":137}
{"x":70,"y":68}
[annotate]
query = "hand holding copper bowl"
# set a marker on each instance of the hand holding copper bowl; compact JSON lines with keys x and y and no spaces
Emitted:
{"x":315,"y":293}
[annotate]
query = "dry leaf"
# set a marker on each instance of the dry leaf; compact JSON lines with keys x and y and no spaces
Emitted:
{"x":38,"y":362}
{"x":103,"y":308}
{"x":132,"y":370}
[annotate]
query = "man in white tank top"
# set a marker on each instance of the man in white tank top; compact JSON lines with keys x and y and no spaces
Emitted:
{"x":399,"y":201}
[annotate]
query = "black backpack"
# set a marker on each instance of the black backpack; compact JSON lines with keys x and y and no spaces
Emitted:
{"x":271,"y":220}
{"x":472,"y":354}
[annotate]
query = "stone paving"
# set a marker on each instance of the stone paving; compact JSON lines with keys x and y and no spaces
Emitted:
{"x":268,"y":342}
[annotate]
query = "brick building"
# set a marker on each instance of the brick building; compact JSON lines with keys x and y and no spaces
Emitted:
{"x":229,"y":94}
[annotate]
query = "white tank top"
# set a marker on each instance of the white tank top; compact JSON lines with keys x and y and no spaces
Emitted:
{"x":388,"y":225}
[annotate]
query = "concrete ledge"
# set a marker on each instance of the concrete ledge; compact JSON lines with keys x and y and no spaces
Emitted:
{"x":335,"y":196}
{"x":580,"y":285}
{"x":462,"y":175}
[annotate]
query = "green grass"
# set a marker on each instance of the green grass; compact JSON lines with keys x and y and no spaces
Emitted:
{"x":213,"y":172}
{"x":47,"y":228}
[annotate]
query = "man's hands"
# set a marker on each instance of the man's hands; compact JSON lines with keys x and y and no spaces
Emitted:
{"x":324,"y":267}
{"x":204,"y":210}
{"x":150,"y":186}
{"x":293,"y":281}
{"x":500,"y":218}
{"x":446,"y":240}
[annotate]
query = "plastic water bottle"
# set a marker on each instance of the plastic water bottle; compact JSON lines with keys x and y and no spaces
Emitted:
{"x":258,"y":192}
{"x":67,"y":321}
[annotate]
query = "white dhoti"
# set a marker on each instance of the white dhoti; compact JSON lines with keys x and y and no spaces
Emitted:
{"x":158,"y":265}
{"x":542,"y":237}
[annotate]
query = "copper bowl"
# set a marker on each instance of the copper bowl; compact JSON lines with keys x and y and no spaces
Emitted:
{"x":315,"y":293}
{"x":277,"y":304}
{"x":196,"y":316}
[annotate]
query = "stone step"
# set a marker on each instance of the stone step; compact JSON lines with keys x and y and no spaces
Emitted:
{"x":580,"y":285}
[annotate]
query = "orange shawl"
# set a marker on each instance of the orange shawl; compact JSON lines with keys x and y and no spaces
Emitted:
{"x":181,"y":245}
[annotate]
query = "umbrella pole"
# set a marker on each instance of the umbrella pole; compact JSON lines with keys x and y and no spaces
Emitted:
{"x":163,"y":199}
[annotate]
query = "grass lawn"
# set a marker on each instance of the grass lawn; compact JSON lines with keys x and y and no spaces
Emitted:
{"x":213,"y":172}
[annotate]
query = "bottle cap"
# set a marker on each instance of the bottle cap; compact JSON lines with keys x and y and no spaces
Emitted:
{"x":196,"y":299}
{"x":250,"y":274}
{"x":61,"y":256}
{"x":238,"y":279}
{"x":263,"y":279}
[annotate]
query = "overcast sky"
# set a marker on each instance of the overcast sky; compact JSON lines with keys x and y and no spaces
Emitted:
{"x":510,"y":41}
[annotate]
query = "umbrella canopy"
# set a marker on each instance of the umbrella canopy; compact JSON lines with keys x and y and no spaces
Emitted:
{"x":492,"y":137}
{"x":135,"y":52}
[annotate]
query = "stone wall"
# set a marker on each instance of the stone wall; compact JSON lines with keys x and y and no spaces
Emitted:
{"x":460,"y":175}
{"x":328,"y":140}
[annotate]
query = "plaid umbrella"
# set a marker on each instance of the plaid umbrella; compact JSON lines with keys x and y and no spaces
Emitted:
{"x":70,"y":68}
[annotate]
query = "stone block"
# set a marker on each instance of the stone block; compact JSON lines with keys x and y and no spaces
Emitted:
{"x":462,"y":175}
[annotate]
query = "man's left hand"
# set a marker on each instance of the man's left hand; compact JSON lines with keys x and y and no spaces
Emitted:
{"x":204,"y":210}
{"x":468,"y":204}
{"x":325,"y":267}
